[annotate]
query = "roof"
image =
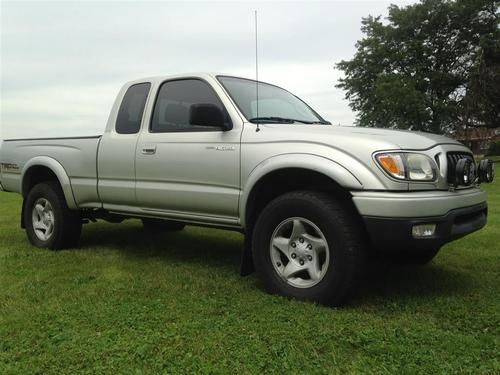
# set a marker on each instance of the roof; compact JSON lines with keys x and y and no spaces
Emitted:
{"x":203,"y":75}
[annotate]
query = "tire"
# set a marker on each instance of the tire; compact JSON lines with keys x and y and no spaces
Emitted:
{"x":48,"y":220}
{"x":159,"y":225}
{"x":333,"y":273}
{"x":420,"y":257}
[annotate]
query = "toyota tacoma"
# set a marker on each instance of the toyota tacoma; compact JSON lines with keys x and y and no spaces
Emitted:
{"x":312,"y":199}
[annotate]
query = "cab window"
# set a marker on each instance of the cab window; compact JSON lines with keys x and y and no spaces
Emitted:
{"x":175,"y":101}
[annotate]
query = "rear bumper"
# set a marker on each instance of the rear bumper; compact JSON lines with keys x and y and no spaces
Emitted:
{"x":395,"y":234}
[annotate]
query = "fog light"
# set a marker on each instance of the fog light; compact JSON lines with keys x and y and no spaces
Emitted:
{"x":465,"y":172}
{"x":423,"y":230}
{"x":486,"y":171}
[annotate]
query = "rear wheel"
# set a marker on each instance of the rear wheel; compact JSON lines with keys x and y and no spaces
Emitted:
{"x":158,"y":225}
{"x":48,"y":220}
{"x":307,"y":245}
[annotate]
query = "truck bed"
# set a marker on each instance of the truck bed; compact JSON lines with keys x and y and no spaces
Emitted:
{"x":77,"y":155}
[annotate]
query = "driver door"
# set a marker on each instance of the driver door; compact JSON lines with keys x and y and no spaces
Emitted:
{"x":184,"y":169}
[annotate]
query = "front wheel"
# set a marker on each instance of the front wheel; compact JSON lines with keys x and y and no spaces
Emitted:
{"x":48,"y":220}
{"x":308,"y":245}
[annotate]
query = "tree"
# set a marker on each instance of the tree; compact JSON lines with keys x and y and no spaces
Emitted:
{"x":432,"y":66}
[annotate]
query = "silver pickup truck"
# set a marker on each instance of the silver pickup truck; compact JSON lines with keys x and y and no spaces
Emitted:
{"x":312,"y":199}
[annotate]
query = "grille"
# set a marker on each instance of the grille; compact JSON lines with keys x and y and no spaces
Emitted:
{"x":452,"y":158}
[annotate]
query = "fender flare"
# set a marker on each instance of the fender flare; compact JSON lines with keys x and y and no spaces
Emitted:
{"x":320,"y":164}
{"x":58,"y":170}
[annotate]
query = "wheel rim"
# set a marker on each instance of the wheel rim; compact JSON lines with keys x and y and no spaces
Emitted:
{"x":43,"y":219}
{"x":299,"y":252}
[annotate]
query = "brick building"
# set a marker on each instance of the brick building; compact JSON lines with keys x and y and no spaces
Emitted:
{"x":478,"y":139}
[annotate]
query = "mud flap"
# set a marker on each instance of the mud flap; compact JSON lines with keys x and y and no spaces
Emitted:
{"x":246,"y":267}
{"x":22,"y":215}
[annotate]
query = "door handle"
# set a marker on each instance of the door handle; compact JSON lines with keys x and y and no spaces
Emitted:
{"x":149,"y":150}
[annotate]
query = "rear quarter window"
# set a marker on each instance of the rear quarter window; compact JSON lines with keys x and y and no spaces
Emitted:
{"x":131,"y":109}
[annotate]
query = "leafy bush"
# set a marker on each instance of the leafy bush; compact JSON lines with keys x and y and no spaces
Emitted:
{"x":494,"y":149}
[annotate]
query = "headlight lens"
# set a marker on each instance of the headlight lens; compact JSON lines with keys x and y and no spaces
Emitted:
{"x":408,"y":166}
{"x":420,"y":167}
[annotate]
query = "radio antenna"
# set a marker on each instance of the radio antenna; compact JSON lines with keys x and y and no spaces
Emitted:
{"x":256,"y":71}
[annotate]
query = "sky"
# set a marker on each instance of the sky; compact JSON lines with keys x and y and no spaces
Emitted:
{"x":62,"y":63}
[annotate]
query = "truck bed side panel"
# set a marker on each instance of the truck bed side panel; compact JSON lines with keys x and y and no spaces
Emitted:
{"x":77,"y":155}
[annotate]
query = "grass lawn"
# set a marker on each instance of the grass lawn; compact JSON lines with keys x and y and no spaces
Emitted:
{"x":129,"y":302}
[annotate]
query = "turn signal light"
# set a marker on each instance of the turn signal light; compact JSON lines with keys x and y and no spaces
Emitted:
{"x":393,"y":164}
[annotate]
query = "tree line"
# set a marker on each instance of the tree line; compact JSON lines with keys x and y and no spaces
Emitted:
{"x":432,"y":66}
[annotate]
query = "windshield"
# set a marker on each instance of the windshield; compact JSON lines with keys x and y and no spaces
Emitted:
{"x":275,"y":104}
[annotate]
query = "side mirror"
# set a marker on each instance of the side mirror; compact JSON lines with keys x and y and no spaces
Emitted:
{"x":205,"y":114}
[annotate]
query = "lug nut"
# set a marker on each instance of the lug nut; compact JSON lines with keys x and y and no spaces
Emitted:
{"x":301,"y":240}
{"x":294,"y":245}
{"x":309,"y":246}
{"x":301,"y":262}
{"x":309,"y":257}
{"x":294,"y":255}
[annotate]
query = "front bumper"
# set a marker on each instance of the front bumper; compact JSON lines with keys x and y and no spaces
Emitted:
{"x":390,"y":217}
{"x":415,"y":203}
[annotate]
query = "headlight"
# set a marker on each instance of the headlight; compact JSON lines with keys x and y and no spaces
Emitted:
{"x":408,"y":166}
{"x":486,"y":171}
{"x":465,"y":172}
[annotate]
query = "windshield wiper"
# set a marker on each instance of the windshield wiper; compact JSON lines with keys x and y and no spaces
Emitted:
{"x":280,"y":120}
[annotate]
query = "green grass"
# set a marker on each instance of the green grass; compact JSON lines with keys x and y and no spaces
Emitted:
{"x":128,"y":302}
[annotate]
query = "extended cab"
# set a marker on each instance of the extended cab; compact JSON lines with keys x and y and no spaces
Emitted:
{"x":312,"y":199}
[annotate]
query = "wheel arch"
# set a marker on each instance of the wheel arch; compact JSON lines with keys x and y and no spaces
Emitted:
{"x":297,"y":171}
{"x":44,"y":168}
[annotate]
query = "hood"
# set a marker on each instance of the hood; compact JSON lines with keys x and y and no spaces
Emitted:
{"x":404,"y":139}
{"x":348,"y":136}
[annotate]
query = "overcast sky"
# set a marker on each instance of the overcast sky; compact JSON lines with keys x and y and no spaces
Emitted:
{"x":62,"y":63}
